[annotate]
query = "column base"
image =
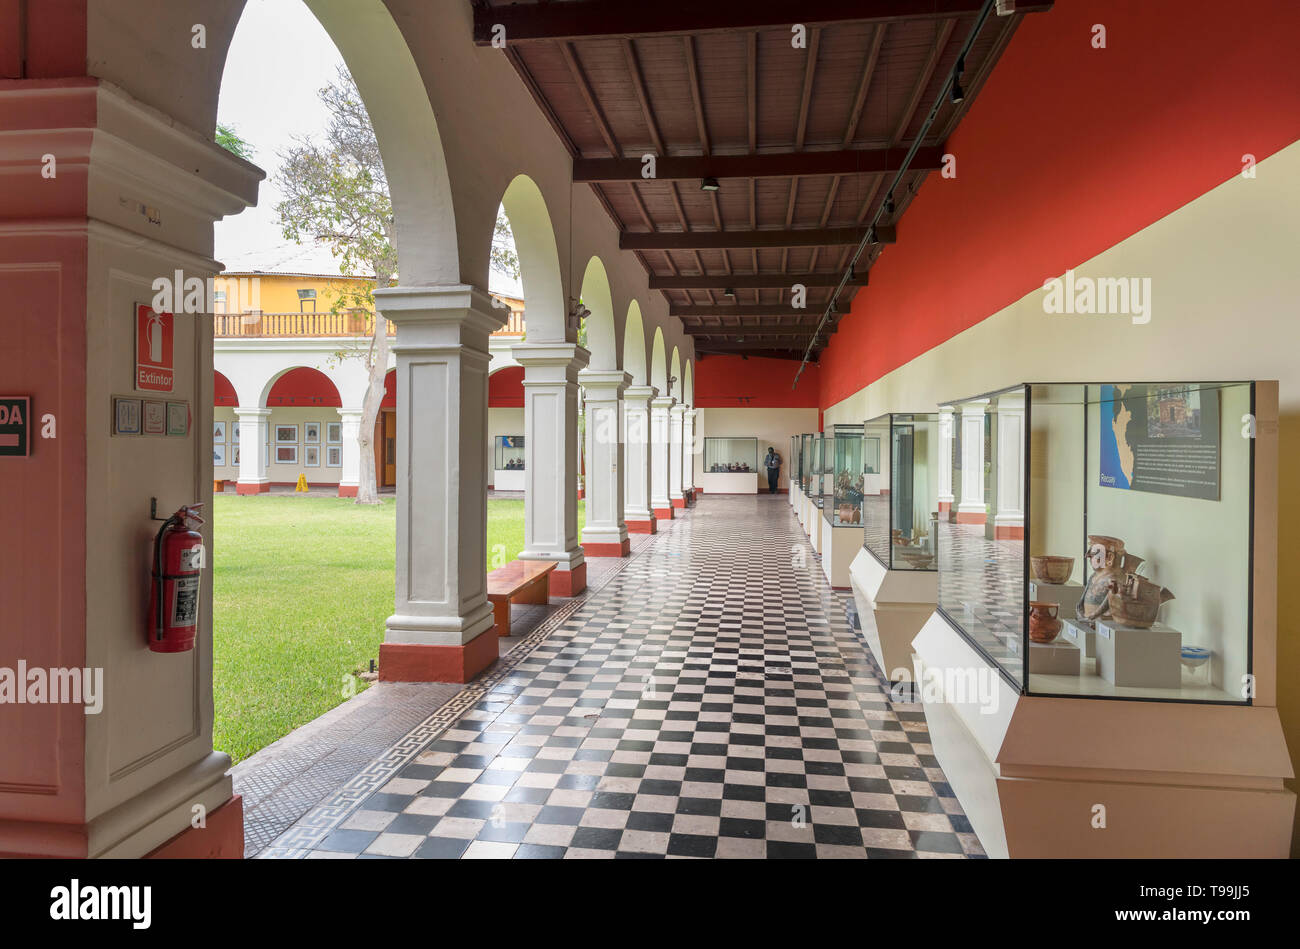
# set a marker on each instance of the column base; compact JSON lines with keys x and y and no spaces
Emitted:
{"x":607,"y":550}
{"x":971,"y":517}
{"x":664,"y":513}
{"x":253,"y":487}
{"x":642,"y":527}
{"x":1008,"y":531}
{"x":348,"y":490}
{"x":569,"y":582}
{"x":420,"y":662}
{"x":945,"y":507}
{"x":221,"y":839}
{"x":679,"y":502}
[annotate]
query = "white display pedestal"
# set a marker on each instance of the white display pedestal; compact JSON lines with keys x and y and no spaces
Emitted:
{"x":893,"y":606}
{"x":1065,"y":595}
{"x":1059,"y":657}
{"x":1143,"y":658}
{"x":508,"y":479}
{"x":815,"y":523}
{"x":728,"y":482}
{"x":841,"y":544}
{"x":875,"y":483}
{"x":1082,"y":636}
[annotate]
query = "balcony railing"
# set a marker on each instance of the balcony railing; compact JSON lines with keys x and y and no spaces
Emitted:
{"x":233,"y":325}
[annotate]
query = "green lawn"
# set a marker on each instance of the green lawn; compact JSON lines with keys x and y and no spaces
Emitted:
{"x":301,"y":589}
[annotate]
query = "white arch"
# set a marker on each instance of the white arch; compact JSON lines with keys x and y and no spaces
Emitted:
{"x":675,"y":375}
{"x":596,"y":297}
{"x":634,"y":350}
{"x":659,"y":362}
{"x":688,"y":383}
{"x":539,"y":261}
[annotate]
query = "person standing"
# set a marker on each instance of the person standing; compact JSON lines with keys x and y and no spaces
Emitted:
{"x":773,"y":464}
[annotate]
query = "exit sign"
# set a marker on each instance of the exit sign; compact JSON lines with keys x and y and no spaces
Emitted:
{"x":15,"y":425}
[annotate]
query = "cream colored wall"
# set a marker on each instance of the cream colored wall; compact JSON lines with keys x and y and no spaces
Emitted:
{"x":772,"y":428}
{"x":289,"y":415}
{"x":503,"y":421}
{"x":1225,"y":306}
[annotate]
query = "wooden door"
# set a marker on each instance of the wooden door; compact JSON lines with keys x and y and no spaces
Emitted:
{"x":390,"y":448}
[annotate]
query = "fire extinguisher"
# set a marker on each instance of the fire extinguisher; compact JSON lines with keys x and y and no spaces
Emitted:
{"x":174,"y":592}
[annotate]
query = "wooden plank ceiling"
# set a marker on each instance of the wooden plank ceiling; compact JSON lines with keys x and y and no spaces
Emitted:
{"x":802,"y":142}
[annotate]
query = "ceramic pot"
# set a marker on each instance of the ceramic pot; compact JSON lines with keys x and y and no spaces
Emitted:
{"x":1043,"y":623}
{"x":1137,"y":602}
{"x":1105,"y":558}
{"x":1049,"y":569}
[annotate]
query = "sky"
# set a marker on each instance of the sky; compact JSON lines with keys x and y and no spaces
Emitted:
{"x":279,"y":59}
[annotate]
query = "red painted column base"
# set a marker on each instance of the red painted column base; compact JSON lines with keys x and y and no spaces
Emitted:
{"x":348,"y":490}
{"x":971,"y":517}
{"x":1008,"y":532}
{"x":245,"y":488}
{"x":945,"y":507}
{"x":608,"y":550}
{"x":664,"y":513}
{"x":569,"y":582}
{"x":679,"y":502}
{"x":420,"y":662}
{"x":642,"y":527}
{"x":221,"y":839}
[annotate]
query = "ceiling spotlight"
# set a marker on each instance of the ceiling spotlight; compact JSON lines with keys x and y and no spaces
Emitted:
{"x":1006,"y":7}
{"x":729,"y":292}
{"x":957,"y":94}
{"x":709,"y":184}
{"x":889,"y":203}
{"x":853,"y":274}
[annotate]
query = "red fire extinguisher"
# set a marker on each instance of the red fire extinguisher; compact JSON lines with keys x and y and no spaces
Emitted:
{"x":174,"y":592}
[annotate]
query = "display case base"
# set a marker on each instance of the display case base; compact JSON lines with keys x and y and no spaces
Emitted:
{"x":893,"y":606}
{"x":841,"y":545}
{"x":1041,"y":776}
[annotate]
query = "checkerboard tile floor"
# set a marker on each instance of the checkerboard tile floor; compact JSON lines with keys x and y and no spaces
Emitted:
{"x":713,"y":699}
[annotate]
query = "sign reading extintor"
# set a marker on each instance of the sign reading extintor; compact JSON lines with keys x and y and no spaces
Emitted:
{"x":15,"y":425}
{"x":154,"y":358}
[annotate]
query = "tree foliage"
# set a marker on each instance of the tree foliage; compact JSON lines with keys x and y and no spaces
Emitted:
{"x":230,"y":140}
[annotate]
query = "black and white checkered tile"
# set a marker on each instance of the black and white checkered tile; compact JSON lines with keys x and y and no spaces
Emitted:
{"x":712,"y":699}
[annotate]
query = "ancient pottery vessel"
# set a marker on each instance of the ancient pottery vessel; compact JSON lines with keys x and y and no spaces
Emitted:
{"x":1105,"y":558}
{"x":1049,"y":569}
{"x":1137,"y":601}
{"x":1043,"y":623}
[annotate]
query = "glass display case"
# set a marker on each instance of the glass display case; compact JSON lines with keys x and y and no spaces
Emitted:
{"x":843,"y":482}
{"x":807,"y":462}
{"x":723,"y":455}
{"x":509,"y":453}
{"x":901,"y":459}
{"x":821,"y":469}
{"x":1101,"y":545}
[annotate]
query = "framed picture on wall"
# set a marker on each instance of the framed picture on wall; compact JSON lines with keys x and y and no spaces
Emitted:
{"x":154,"y":416}
{"x":234,"y":432}
{"x":218,"y":431}
{"x":286,"y":434}
{"x":235,"y":452}
{"x":126,"y":416}
{"x":218,"y":454}
{"x":334,"y":433}
{"x":178,"y":418}
{"x":311,"y":433}
{"x":312,"y":456}
{"x":286,"y":454}
{"x":334,"y":457}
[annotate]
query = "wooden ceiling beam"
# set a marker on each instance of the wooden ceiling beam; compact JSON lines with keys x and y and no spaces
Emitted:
{"x":761,"y":281}
{"x":586,"y":19}
{"x":717,"y":240}
{"x":744,"y":310}
{"x":864,"y":161}
{"x":806,"y":332}
{"x":589,"y":97}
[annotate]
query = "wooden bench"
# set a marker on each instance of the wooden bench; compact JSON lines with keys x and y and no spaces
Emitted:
{"x":520,"y":581}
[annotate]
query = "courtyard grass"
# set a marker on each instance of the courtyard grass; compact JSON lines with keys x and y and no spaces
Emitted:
{"x":301,"y":589}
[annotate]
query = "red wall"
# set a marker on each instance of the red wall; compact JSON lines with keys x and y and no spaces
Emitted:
{"x":55,"y":42}
{"x":506,"y":388}
{"x":303,"y":386}
{"x":728,"y":381}
{"x":390,"y":390}
{"x":1067,"y":151}
{"x":223,"y":393}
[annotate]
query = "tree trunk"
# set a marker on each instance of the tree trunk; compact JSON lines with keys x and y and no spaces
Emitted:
{"x":368,"y":490}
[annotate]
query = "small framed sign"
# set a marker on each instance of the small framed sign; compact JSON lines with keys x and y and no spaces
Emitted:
{"x":178,"y":418}
{"x":15,"y":425}
{"x":126,"y":416}
{"x":154,"y":415}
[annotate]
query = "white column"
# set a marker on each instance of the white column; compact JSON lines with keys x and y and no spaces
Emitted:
{"x":945,"y":460}
{"x":442,"y":629}
{"x":605,"y":533}
{"x":676,"y":430}
{"x":661,"y":457}
{"x":350,"y":475}
{"x":1009,"y":516}
{"x":637,"y":511}
{"x":972,"y":509}
{"x":253,"y":425}
{"x":551,"y":459}
{"x":688,"y":455}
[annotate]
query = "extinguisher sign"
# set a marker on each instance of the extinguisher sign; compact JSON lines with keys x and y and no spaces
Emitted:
{"x":155,"y":366}
{"x":15,"y":425}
